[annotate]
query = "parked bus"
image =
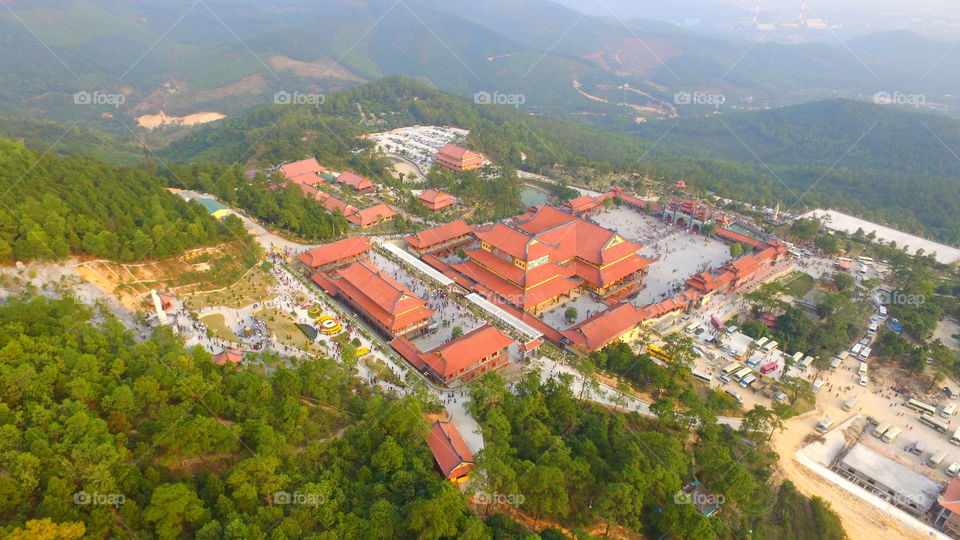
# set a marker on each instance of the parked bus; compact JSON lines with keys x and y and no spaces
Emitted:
{"x":864,"y":259}
{"x":771,"y":346}
{"x":796,"y":357}
{"x":843,"y":356}
{"x":736,"y":395}
{"x":881,"y":429}
{"x":772,"y":366}
{"x":835,"y":363}
{"x":743,"y":372}
{"x":748,"y":380}
{"x":692,"y":326}
{"x":856,"y":349}
{"x":891,"y":434}
{"x":864,"y":354}
{"x":948,"y":410}
{"x":805,"y":363}
{"x":955,"y":438}
{"x":731,"y":367}
{"x":657,"y":352}
{"x":701,"y":376}
{"x":762,"y":341}
{"x":862,"y":370}
{"x":716,"y":322}
{"x":883,"y":311}
{"x":921,"y":407}
{"x":849,"y":403}
{"x":938,"y":425}
{"x":824,"y":424}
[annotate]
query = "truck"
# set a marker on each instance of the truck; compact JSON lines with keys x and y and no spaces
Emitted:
{"x":849,"y":403}
{"x":936,"y":459}
{"x":891,"y":434}
{"x":881,"y":429}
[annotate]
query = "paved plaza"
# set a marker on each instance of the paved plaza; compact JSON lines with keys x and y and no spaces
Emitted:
{"x":679,"y":252}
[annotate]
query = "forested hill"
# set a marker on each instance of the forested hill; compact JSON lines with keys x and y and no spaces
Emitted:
{"x":888,"y":165}
{"x":52,"y":207}
{"x":854,"y":134}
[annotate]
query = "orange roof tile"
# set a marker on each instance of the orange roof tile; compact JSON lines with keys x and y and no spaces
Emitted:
{"x":950,"y":499}
{"x":305,"y":166}
{"x":358,"y":182}
{"x":449,"y":449}
{"x":439,"y":235}
{"x":374,"y":214}
{"x":737,"y":237}
{"x":387,"y":301}
{"x":451,"y":357}
{"x":230,"y":356}
{"x":345,"y":249}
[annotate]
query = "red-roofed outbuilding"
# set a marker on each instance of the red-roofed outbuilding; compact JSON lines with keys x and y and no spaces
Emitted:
{"x":440,"y":239}
{"x":336,"y":255}
{"x":359,"y":183}
{"x":373,"y":215}
{"x":436,"y":200}
{"x":450,"y":451}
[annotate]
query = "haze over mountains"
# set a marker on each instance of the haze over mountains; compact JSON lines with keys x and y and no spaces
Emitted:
{"x":181,"y":57}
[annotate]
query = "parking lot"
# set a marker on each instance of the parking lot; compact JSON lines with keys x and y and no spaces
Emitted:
{"x":418,"y":143}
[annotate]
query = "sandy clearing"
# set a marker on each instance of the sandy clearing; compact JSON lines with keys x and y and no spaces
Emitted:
{"x":154,"y":121}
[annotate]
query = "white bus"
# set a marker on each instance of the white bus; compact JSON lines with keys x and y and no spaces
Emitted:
{"x":862,"y":370}
{"x":771,"y":346}
{"x":936,"y":459}
{"x":865,"y":259}
{"x":805,"y":363}
{"x":762,"y":341}
{"x":891,"y":434}
{"x":955,"y":438}
{"x":856,"y":349}
{"x":731,"y":367}
{"x":921,"y":407}
{"x":742,"y":373}
{"x":797,"y":356}
{"x":881,"y":429}
{"x":748,"y":380}
{"x":701,"y":376}
{"x":692,"y":326}
{"x":864,"y":354}
{"x":948,"y":410}
{"x":938,"y":425}
{"x":849,"y":403}
{"x":835,"y":363}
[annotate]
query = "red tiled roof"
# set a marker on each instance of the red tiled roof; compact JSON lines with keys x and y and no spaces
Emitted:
{"x":451,"y":357}
{"x":298,"y":168}
{"x":332,"y":203}
{"x":737,"y":237}
{"x":358,"y":182}
{"x":436,"y":199}
{"x":374,"y":214}
{"x":457,"y":152}
{"x":604,"y":327}
{"x":514,"y":242}
{"x":231,"y":356}
{"x":950,"y":498}
{"x":387,"y":301}
{"x":448,"y":448}
{"x":515,"y":295}
{"x":439,"y":235}
{"x":347,"y":248}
